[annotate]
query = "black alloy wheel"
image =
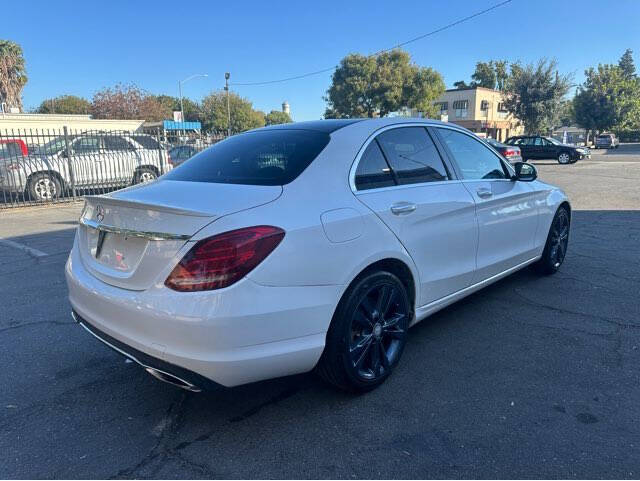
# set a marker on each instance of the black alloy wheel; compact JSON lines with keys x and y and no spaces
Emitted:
{"x":377,"y":331}
{"x":555,"y":250}
{"x":368,"y":333}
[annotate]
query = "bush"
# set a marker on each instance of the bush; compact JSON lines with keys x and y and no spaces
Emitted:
{"x":628,"y":135}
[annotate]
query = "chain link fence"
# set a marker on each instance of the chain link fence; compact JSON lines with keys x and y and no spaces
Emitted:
{"x":39,"y":167}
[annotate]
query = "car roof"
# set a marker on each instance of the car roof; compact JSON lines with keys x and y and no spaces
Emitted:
{"x":331,"y":125}
{"x":327,"y":126}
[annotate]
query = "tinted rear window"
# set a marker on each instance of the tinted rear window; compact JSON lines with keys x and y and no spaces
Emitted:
{"x":266,"y":157}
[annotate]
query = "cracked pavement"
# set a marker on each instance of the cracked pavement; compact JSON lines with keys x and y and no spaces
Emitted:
{"x":531,"y":377}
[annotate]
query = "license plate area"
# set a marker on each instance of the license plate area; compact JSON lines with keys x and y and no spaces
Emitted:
{"x":116,"y":251}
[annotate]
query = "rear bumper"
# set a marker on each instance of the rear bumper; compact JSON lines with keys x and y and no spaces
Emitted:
{"x":176,"y":375}
{"x":244,"y":333}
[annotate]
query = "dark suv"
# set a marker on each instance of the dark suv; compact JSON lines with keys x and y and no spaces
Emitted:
{"x":537,"y":147}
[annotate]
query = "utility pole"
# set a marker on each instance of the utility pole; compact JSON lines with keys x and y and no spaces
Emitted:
{"x":181,"y":106}
{"x":226,"y":87}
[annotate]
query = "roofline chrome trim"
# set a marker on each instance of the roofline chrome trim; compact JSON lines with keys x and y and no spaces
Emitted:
{"x":154,"y":236}
{"x":354,"y":166}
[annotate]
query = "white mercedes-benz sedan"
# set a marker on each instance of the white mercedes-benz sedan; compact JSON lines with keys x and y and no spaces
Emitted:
{"x":306,"y":245}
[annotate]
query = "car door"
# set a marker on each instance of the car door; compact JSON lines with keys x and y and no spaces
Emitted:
{"x":120,"y":160}
{"x":549,"y":150}
{"x":506,"y":209}
{"x":86,"y":152}
{"x":401,"y":176}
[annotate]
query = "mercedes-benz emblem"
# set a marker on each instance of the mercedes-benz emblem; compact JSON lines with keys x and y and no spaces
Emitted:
{"x":100,"y":213}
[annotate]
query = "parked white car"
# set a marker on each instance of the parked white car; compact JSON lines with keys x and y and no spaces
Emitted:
{"x":607,"y":141}
{"x":94,"y":160}
{"x":308,"y":245}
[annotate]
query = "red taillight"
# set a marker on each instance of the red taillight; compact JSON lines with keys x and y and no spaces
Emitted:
{"x":224,"y":259}
{"x":169,"y":159}
{"x":511,"y":153}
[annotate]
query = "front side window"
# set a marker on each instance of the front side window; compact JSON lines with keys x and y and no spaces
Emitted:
{"x":264,"y":157}
{"x":476,"y":161}
{"x":412,"y":155}
{"x":373,"y":171}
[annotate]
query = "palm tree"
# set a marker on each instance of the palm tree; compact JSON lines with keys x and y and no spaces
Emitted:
{"x":13,"y":75}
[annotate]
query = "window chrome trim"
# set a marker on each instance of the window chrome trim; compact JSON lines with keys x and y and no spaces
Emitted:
{"x":372,"y":137}
{"x":154,"y":236}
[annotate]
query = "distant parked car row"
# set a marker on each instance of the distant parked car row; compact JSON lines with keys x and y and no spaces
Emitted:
{"x":93,"y":160}
{"x":536,"y":147}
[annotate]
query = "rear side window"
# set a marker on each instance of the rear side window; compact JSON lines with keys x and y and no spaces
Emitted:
{"x":373,"y":171}
{"x":116,"y":143}
{"x":146,"y":141}
{"x":412,"y":155}
{"x":264,"y":157}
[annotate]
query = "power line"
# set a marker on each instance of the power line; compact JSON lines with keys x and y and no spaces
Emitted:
{"x":402,"y":44}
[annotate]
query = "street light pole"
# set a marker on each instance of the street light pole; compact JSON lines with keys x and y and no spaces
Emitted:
{"x":226,"y":87}
{"x":180,"y":82}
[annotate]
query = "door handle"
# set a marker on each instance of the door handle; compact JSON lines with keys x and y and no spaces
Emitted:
{"x":403,"y":208}
{"x":484,"y":192}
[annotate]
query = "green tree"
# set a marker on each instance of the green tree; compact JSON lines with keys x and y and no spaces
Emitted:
{"x":461,"y":85}
{"x":192,"y":110}
{"x":484,"y":75}
{"x":243,"y":116}
{"x":501,"y":68}
{"x":626,"y":64}
{"x":534,"y":94}
{"x":608,"y":99}
{"x":65,"y":104}
{"x":277,"y":117}
{"x":13,"y":74}
{"x":368,"y":86}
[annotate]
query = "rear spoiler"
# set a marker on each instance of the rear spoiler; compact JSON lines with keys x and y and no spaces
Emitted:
{"x":134,"y":204}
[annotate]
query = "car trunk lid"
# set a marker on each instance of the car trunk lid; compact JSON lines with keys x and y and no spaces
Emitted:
{"x":129,"y":237}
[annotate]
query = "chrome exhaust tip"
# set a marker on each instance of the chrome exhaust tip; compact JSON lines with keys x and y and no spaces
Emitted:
{"x":171,"y":379}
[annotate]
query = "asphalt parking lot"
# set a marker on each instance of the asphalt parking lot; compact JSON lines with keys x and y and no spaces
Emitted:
{"x":531,"y":377}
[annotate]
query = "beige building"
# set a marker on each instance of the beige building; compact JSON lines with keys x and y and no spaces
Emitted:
{"x":480,"y":110}
{"x":21,"y":124}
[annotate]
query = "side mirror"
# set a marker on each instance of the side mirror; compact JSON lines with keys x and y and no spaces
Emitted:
{"x":525,"y":172}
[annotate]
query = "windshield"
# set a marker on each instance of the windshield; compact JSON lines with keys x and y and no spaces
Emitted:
{"x":262,"y":157}
{"x":553,"y":141}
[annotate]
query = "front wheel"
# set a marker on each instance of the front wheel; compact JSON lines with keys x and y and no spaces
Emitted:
{"x":564,"y":158}
{"x":368,"y":333}
{"x":555,"y":248}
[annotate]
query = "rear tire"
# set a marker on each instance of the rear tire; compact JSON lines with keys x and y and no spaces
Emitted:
{"x":145,"y":174}
{"x":555,"y":249}
{"x":44,"y":187}
{"x":368,"y":333}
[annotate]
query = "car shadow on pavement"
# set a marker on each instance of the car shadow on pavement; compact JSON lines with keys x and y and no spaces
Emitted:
{"x":542,"y":365}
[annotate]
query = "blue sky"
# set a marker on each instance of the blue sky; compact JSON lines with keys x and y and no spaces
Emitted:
{"x":79,"y":47}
